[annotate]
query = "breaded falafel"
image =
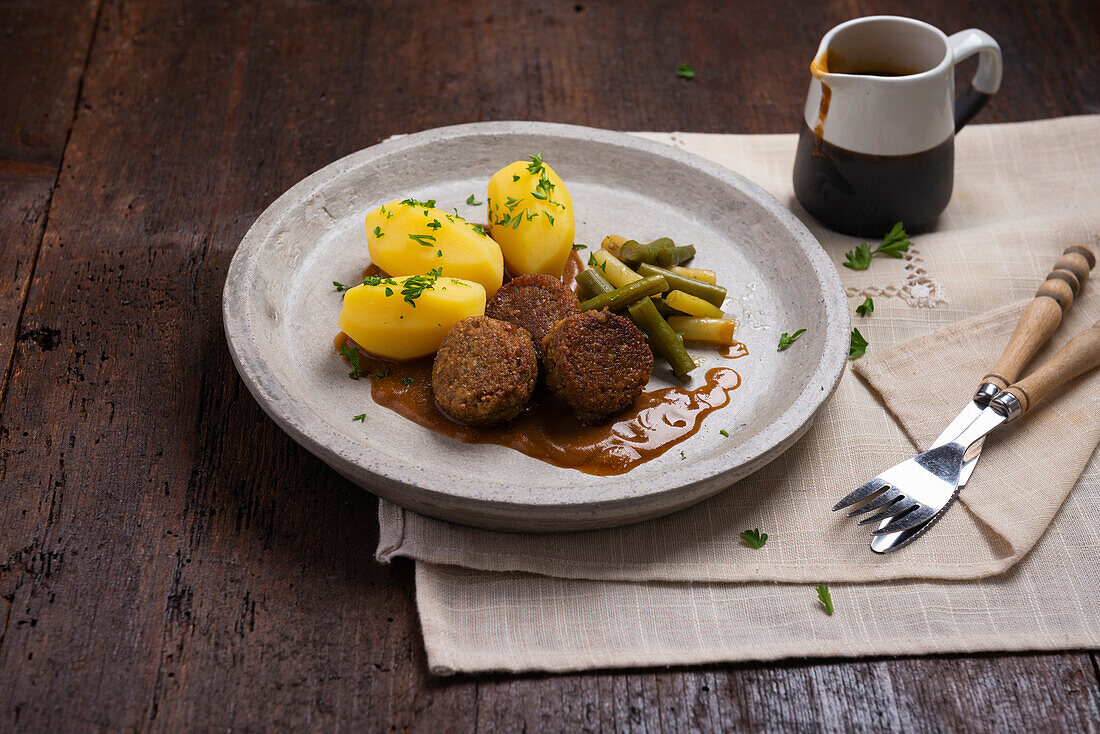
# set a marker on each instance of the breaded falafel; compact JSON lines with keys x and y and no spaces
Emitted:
{"x":484,"y":372}
{"x":534,"y":303}
{"x":597,"y":362}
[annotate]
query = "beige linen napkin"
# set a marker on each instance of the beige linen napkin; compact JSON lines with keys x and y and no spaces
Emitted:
{"x":1022,"y":192}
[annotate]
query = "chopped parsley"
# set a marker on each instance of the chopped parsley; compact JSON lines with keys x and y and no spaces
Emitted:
{"x":362,"y":418}
{"x":378,"y":280}
{"x":379,"y":233}
{"x":684,"y":71}
{"x":415,"y":285}
{"x":407,"y":380}
{"x":866,"y":308}
{"x":340,"y":287}
{"x":512,"y":202}
{"x":754,"y":538}
{"x":858,"y":346}
{"x":825,"y":598}
{"x":593,"y":264}
{"x":580,"y":247}
{"x":429,"y":204}
{"x":682,"y":456}
{"x":548,"y":216}
{"x":434,"y":224}
{"x":422,"y":239}
{"x":535,"y":166}
{"x":352,"y":355}
{"x":895,"y":244}
{"x":480,"y":230}
{"x":786,"y":340}
{"x":382,"y":373}
{"x":725,"y":433}
{"x":470,"y":201}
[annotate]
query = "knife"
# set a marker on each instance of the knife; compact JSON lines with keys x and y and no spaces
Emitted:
{"x":1038,"y":322}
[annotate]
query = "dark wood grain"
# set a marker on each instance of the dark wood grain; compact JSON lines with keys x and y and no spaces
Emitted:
{"x":169,"y":559}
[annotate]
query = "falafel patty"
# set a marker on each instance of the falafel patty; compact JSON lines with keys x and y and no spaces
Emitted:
{"x":534,"y":303}
{"x":597,"y":362}
{"x":484,"y":371}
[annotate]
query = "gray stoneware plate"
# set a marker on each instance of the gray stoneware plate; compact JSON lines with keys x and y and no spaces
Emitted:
{"x":280,"y":313}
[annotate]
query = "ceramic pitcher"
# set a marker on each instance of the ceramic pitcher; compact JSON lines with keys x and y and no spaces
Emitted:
{"x":877,"y":140}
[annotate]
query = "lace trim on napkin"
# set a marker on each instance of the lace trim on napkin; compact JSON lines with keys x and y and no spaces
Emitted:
{"x":920,"y":290}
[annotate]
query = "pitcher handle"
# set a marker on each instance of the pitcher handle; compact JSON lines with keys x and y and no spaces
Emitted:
{"x":986,"y":81}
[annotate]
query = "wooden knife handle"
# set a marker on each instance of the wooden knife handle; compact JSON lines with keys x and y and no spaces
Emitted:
{"x":1080,"y":355}
{"x":1043,"y":315}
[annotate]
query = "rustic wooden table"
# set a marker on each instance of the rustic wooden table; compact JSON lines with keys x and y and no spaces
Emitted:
{"x":169,"y":559}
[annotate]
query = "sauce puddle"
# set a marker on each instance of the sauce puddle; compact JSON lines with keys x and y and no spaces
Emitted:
{"x":547,"y":430}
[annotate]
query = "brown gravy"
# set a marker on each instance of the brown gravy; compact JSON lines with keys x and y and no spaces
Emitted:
{"x":547,"y":429}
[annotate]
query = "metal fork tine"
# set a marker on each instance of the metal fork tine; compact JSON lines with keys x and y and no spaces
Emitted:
{"x":890,"y":495}
{"x":911,"y":520}
{"x":901,"y":507}
{"x":861,"y":493}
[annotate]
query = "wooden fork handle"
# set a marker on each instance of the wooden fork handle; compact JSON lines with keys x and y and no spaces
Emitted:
{"x":1041,"y":317}
{"x":1080,"y":355}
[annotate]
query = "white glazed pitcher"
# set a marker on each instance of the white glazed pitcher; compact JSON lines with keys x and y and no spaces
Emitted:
{"x":877,"y":141}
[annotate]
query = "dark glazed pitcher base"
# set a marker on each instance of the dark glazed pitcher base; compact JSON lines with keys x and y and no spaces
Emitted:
{"x":865,"y":195}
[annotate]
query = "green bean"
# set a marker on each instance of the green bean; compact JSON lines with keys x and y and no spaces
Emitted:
{"x":620,"y":298}
{"x":715,"y":294}
{"x":591,"y":283}
{"x":662,"y":339}
{"x":669,"y":256}
{"x":664,"y":309}
{"x":634,"y":252}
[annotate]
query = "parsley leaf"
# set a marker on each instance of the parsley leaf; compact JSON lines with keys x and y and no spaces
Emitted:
{"x":786,"y":340}
{"x":470,"y":201}
{"x":580,"y":247}
{"x":895,"y":244}
{"x":684,"y":71}
{"x":866,"y":308}
{"x":535,"y":166}
{"x":422,"y":239}
{"x":352,"y":355}
{"x":414,"y":286}
{"x":340,"y":287}
{"x":859,"y":258}
{"x":379,"y":233}
{"x":859,"y":345}
{"x":430,"y":204}
{"x":825,"y":598}
{"x":754,"y":538}
{"x":383,"y":373}
{"x":362,"y":418}
{"x":408,"y":380}
{"x":434,"y":224}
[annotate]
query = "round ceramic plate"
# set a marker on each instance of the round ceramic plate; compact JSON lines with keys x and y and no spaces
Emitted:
{"x":280,"y":312}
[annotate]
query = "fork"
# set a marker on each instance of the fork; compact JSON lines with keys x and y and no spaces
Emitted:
{"x":913,"y":492}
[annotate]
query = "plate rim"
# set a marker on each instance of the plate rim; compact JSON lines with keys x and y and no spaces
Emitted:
{"x":317,"y":435}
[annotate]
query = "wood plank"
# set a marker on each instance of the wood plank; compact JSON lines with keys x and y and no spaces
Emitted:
{"x":1006,"y":693}
{"x":45,"y":47}
{"x":173,"y":561}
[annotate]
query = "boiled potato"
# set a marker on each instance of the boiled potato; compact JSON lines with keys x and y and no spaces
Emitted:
{"x":532,"y":217}
{"x":407,"y":317}
{"x":413,"y":237}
